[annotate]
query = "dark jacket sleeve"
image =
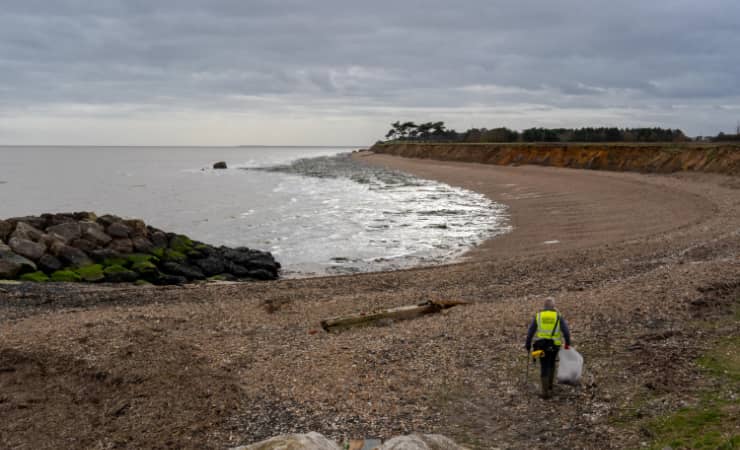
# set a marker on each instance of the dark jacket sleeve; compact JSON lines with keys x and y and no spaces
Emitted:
{"x":564,"y":329}
{"x":530,"y":333}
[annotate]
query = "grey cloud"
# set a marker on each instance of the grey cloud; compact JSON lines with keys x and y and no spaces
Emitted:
{"x":350,"y":55}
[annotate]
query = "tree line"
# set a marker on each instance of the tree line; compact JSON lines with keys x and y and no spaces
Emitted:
{"x":722,"y":137}
{"x":438,"y":132}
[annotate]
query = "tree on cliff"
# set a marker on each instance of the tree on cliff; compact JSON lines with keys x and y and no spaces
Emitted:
{"x":423,"y":132}
{"x":403,"y":130}
{"x":393,"y":133}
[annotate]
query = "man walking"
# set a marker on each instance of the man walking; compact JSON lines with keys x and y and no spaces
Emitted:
{"x":548,"y":325}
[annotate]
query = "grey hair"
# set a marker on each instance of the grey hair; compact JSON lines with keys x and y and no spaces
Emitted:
{"x":550,"y":303}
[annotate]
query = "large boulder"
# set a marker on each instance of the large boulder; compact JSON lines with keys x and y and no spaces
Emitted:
{"x":237,"y":270}
{"x":84,"y":245}
{"x":159,"y":239}
{"x":211,"y":265}
{"x":31,"y":250}
{"x":121,"y":245}
{"x":101,"y":254}
{"x":71,"y":256}
{"x":238,"y":255}
{"x":34,"y":221}
{"x":264,"y":262}
{"x":137,"y":227}
{"x":25,"y":231}
{"x":69,"y":231}
{"x":86,"y":225}
{"x":12,"y":265}
{"x":58,"y":219}
{"x":252,"y":259}
{"x":51,"y":239}
{"x":189,"y":272}
{"x":49,"y":263}
{"x":421,"y":442}
{"x":308,"y":441}
{"x":201,"y":250}
{"x":316,"y":441}
{"x":108,"y":219}
{"x":95,"y":233}
{"x":85,"y":216}
{"x":5,"y":229}
{"x":142,"y":244}
{"x":119,"y":230}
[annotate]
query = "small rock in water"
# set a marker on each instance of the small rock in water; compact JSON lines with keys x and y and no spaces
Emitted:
{"x":219,"y":165}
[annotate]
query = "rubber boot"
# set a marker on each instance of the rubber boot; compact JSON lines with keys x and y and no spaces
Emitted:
{"x":546,"y":389}
{"x":551,"y":381}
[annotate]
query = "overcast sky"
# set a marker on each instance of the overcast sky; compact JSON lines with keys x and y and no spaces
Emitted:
{"x":325,"y":72}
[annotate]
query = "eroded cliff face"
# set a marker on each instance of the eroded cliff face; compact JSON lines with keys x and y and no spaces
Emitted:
{"x":658,"y":158}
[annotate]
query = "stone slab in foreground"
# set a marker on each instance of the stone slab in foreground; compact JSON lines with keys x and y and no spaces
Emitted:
{"x":317,"y":441}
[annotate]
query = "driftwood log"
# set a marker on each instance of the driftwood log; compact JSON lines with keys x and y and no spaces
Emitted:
{"x":399,"y":313}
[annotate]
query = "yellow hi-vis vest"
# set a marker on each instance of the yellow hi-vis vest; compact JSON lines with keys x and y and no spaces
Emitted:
{"x":548,"y":325}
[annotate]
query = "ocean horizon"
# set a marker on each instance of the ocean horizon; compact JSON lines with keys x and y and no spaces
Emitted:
{"x":314,"y":207}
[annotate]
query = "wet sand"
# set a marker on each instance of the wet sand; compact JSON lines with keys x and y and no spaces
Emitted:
{"x":642,"y":263}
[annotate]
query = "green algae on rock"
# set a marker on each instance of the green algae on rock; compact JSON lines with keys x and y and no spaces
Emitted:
{"x":65,"y":275}
{"x":93,"y":272}
{"x":36,"y":277}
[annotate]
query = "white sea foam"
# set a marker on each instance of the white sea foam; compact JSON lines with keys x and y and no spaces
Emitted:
{"x":383,"y":219}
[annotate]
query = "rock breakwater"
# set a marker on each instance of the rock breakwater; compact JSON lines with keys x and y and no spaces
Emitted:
{"x":651,"y":158}
{"x":82,"y":247}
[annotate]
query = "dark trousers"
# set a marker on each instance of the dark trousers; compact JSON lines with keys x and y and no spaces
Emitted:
{"x":547,"y":362}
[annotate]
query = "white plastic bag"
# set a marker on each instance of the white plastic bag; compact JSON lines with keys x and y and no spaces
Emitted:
{"x":571,"y":366}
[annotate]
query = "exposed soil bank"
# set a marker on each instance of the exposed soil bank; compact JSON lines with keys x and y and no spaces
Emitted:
{"x":652,"y":158}
{"x":646,"y":271}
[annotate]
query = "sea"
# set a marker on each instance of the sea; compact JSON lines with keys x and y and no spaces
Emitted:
{"x":317,"y":209}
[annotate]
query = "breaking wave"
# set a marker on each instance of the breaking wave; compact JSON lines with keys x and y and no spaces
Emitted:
{"x":350,"y":217}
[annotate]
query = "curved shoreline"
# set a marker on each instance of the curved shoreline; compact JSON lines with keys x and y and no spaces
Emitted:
{"x":578,"y":209}
{"x":642,"y":261}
